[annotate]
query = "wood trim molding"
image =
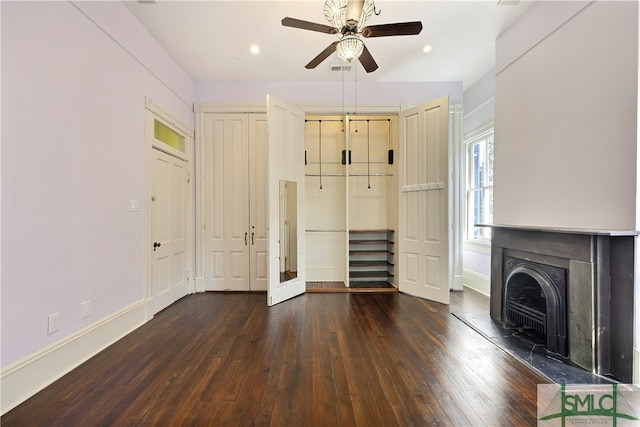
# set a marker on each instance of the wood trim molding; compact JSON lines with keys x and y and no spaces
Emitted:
{"x":476,"y":281}
{"x":223,"y":108}
{"x":24,"y":378}
{"x":164,"y":115}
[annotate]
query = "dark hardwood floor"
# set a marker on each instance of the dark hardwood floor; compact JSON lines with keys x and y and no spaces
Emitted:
{"x":320,"y":359}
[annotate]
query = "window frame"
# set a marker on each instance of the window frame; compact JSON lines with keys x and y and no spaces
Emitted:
{"x":483,"y":133}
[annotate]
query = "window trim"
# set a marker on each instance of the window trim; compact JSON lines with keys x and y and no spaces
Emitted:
{"x":482,"y":244}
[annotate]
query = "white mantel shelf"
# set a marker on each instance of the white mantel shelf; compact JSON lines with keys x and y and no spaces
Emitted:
{"x":588,"y":231}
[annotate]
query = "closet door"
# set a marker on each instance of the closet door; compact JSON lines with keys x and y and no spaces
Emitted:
{"x":424,"y":234}
{"x":226,"y":175}
{"x":258,"y":202}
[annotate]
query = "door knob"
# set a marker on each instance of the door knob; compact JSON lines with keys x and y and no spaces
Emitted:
{"x":156,"y":245}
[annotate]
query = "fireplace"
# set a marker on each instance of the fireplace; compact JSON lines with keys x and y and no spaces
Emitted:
{"x":572,"y":289}
{"x":535,"y":298}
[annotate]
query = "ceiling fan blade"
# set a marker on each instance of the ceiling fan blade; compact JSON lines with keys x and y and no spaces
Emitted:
{"x":322,"y":56}
{"x":367,"y":60}
{"x":398,"y":29}
{"x":354,"y":10}
{"x":306,"y":25}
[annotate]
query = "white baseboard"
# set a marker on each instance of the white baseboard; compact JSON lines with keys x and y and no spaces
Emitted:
{"x":476,"y":281}
{"x":200,"y":285}
{"x":457,"y":283}
{"x":24,"y":378}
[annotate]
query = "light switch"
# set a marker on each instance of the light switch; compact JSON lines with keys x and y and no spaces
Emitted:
{"x":134,"y":205}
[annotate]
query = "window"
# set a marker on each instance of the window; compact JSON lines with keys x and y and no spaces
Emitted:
{"x":166,"y":135}
{"x":479,"y":185}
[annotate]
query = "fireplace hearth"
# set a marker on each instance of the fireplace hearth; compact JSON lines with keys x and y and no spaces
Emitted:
{"x":571,"y":288}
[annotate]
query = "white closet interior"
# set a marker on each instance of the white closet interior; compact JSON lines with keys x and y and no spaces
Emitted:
{"x":352,"y":196}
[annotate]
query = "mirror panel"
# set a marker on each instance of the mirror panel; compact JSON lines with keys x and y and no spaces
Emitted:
{"x":288,"y":230}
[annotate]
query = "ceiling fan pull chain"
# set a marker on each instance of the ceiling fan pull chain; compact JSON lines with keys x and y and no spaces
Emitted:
{"x":368,"y":155}
{"x":320,"y":149}
{"x":356,"y":112}
{"x":389,"y":149}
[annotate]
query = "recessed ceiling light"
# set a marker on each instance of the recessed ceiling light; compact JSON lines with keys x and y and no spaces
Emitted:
{"x":427,"y":48}
{"x":255,"y":49}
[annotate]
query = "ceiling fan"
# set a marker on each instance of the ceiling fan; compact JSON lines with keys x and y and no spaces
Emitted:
{"x":347,"y":19}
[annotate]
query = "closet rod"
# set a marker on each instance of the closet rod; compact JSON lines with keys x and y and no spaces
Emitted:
{"x":325,"y":231}
{"x":369,"y":120}
{"x":353,"y":174}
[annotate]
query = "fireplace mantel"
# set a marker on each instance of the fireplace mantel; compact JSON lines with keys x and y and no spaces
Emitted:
{"x":600,"y":271}
{"x":565,"y":230}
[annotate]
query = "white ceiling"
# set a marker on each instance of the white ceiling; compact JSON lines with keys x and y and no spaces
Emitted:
{"x":211,"y":39}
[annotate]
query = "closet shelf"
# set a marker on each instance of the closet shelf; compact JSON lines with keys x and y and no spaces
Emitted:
{"x":371,"y":231}
{"x":370,"y":252}
{"x":377,"y":263}
{"x":370,"y":242}
{"x":370,"y":274}
{"x":353,"y":174}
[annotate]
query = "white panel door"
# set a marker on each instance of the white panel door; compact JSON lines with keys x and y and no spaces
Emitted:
{"x":286,"y":162}
{"x":169,"y":203}
{"x":423,"y":238}
{"x":258,"y":202}
{"x":226,"y":175}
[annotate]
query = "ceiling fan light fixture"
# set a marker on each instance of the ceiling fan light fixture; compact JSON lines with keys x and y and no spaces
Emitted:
{"x":335,"y":12}
{"x":349,"y":48}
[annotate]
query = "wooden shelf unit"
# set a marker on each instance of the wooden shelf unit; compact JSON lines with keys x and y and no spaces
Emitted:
{"x":371,"y":257}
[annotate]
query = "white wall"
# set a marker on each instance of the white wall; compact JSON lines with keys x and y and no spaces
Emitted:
{"x":479,"y":102}
{"x":566,"y":97}
{"x":479,"y":111}
{"x":74,"y":80}
{"x":328,"y":93}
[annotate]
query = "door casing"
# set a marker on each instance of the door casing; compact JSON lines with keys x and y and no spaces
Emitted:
{"x":155,"y":112}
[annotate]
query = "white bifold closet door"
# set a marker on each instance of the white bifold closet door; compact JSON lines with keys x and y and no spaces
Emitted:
{"x":235,"y":180}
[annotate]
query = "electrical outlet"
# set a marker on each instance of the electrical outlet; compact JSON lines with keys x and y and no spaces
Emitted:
{"x":54,"y":323}
{"x":85,"y":309}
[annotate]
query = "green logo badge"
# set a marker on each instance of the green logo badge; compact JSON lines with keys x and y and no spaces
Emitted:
{"x":600,"y":404}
